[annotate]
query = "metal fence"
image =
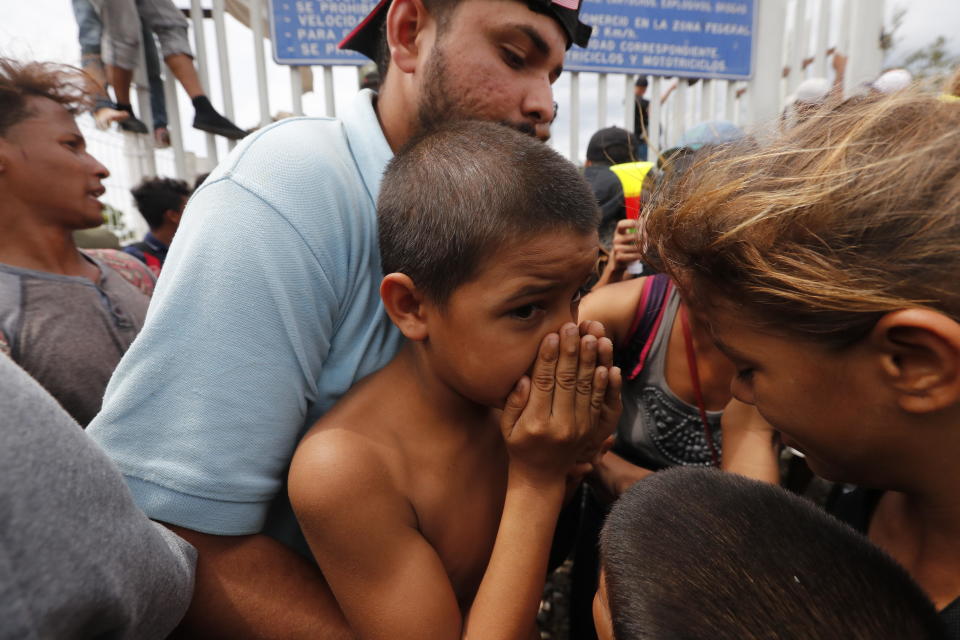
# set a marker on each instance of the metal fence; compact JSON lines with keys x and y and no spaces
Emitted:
{"x":791,"y":43}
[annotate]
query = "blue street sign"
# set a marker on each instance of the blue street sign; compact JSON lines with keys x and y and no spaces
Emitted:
{"x":308,"y":31}
{"x":689,"y":38}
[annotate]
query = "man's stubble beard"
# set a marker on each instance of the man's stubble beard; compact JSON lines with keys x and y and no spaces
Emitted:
{"x":437,"y":104}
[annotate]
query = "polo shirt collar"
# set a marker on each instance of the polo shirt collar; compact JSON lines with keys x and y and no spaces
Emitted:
{"x":369,"y":146}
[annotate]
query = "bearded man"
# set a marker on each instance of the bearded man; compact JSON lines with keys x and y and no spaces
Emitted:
{"x":268,"y":308}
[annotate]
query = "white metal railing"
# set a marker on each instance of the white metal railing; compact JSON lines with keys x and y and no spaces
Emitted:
{"x":790,"y":33}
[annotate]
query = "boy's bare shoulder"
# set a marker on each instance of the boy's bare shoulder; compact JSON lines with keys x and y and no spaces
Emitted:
{"x":334,"y":466}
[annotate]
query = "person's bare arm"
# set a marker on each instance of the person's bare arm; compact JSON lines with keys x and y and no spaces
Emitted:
{"x":364,"y":533}
{"x":750,"y":445}
{"x":625,"y":249}
{"x":670,"y":89}
{"x":255,"y":587}
{"x":614,"y":306}
{"x":614,"y":475}
{"x":839,"y":64}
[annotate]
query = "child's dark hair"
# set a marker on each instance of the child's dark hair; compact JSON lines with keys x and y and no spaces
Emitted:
{"x":455,"y":195}
{"x":699,"y":553}
{"x":156,"y":196}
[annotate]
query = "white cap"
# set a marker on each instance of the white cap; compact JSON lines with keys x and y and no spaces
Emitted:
{"x":812,"y":91}
{"x":893,"y":80}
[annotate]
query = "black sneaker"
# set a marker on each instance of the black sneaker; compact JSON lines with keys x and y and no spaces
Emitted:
{"x":132,"y":124}
{"x":213,"y":122}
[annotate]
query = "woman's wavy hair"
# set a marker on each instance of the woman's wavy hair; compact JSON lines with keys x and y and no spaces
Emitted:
{"x":20,"y":81}
{"x":823,"y":230}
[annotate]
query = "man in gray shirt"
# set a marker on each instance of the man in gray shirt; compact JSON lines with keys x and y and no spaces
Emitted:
{"x":77,"y":558}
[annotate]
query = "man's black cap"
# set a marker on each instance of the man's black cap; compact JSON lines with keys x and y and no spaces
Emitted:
{"x":613,"y":145}
{"x":365,"y":37}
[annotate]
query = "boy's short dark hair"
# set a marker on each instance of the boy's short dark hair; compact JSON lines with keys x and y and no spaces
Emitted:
{"x":455,"y":195}
{"x":699,"y":553}
{"x":155,"y":196}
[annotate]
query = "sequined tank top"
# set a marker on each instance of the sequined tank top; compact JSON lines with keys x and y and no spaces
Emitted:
{"x":657,"y":429}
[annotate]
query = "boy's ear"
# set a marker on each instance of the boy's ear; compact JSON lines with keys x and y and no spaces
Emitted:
{"x":404,"y":303}
{"x":920,"y":358}
{"x":407,"y":24}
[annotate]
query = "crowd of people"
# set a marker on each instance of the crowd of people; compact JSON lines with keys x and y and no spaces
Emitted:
{"x":371,"y":378}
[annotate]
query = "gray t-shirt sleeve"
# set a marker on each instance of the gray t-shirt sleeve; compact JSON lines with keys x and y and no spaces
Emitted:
{"x":77,"y":558}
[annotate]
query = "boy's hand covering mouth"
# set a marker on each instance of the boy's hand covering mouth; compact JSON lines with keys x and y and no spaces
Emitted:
{"x":563,"y":413}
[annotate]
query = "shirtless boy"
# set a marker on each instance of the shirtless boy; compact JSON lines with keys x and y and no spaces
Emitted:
{"x":430,"y":493}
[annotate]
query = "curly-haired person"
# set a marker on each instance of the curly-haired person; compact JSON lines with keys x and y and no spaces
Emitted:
{"x":826,"y":264}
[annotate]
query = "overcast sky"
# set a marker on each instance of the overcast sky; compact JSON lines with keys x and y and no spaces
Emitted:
{"x":45,"y":30}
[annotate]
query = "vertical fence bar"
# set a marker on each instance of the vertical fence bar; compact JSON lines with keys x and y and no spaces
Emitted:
{"x":328,"y":91}
{"x":200,"y":51}
{"x":223,"y":62}
{"x":653,"y":120}
{"x":798,"y":45}
{"x":730,"y":101}
{"x":256,"y":25}
{"x":143,"y":143}
{"x":601,"y":100}
{"x":843,"y":35}
{"x":707,"y":101}
{"x":713,"y":86}
{"x":296,"y":90}
{"x":176,"y":136}
{"x":823,"y":40}
{"x":866,"y":27}
{"x":575,"y":117}
{"x":679,"y":108}
{"x":763,"y":92}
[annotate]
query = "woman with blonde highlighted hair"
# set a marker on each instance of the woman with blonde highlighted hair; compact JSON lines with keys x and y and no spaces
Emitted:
{"x":827,"y":264}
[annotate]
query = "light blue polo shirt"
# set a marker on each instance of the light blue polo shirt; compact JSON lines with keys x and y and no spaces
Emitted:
{"x":267,"y":311}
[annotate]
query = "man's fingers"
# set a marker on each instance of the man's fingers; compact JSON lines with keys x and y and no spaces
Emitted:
{"x":602,"y":451}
